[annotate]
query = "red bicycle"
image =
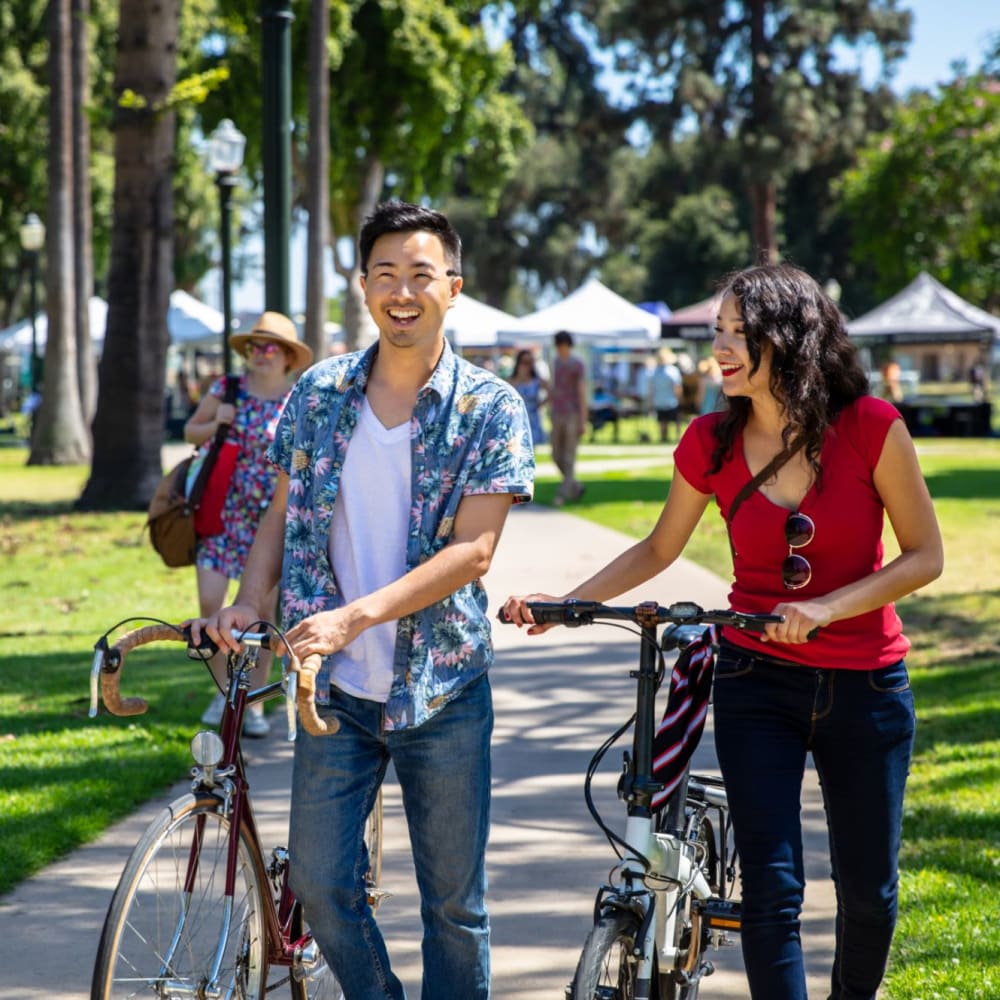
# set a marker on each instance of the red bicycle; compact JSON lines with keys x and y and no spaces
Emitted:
{"x":198,"y":911}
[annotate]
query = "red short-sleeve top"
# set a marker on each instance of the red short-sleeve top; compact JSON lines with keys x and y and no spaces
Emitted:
{"x":849,"y":517}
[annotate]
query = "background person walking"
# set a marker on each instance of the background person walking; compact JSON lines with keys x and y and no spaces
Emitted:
{"x":533,"y":389}
{"x":568,"y":415}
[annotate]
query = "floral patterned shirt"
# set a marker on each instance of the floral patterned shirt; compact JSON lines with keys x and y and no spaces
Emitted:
{"x":469,"y":435}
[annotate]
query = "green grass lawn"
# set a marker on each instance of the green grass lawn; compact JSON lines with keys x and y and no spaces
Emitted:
{"x":66,"y":577}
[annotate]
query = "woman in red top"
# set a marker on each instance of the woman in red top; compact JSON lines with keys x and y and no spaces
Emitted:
{"x":807,"y":544}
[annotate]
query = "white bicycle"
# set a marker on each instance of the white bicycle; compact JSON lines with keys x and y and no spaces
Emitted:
{"x":669,"y":898}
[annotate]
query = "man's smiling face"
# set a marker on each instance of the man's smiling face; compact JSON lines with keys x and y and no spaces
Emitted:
{"x":409,"y":288}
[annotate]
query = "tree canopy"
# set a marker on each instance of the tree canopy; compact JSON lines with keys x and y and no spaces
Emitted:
{"x":920,"y":195}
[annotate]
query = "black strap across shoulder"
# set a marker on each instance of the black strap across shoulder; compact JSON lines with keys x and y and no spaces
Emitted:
{"x":762,"y":477}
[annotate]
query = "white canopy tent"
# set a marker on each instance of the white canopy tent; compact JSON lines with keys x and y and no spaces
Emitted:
{"x":193,"y":323}
{"x":471,"y":323}
{"x":190,"y":323}
{"x":592,"y":313}
{"x":17,"y":338}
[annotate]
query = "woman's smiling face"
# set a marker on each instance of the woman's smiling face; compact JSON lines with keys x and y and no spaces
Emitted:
{"x":731,"y":351}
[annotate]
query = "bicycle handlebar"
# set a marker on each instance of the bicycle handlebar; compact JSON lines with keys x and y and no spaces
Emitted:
{"x":576,"y":613}
{"x":109,"y":660}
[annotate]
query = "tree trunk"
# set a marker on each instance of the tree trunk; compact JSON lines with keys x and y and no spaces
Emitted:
{"x":83,"y":236}
{"x":60,"y":436}
{"x":359,"y":330}
{"x":129,"y":426}
{"x":763,"y":200}
{"x":763,"y":190}
{"x":317,"y":187}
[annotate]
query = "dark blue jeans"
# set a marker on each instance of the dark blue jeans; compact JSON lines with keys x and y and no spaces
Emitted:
{"x":443,"y":767}
{"x":859,"y":726}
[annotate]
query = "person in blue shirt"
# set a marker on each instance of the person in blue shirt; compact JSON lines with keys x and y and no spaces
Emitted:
{"x":397,"y":468}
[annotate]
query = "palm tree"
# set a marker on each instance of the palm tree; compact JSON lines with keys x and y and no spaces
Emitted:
{"x":129,"y":425}
{"x":60,"y":435}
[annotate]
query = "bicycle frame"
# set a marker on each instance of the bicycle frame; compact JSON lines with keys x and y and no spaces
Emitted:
{"x":227,"y":781}
{"x":658,"y":912}
{"x":667,"y":858}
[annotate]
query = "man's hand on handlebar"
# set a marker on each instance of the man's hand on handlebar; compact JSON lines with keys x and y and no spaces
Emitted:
{"x":220,"y":627}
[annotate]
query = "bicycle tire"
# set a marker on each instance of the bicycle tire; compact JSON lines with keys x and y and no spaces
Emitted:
{"x":145,"y":941}
{"x":607,"y":962}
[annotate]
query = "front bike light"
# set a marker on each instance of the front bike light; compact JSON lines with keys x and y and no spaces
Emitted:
{"x":206,"y":748}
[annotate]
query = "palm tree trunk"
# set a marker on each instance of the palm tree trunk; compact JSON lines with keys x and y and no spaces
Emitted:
{"x":60,"y":436}
{"x":129,"y":425}
{"x":359,"y":330}
{"x":83,"y":236}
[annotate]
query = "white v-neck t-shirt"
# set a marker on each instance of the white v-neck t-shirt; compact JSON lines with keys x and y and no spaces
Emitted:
{"x":368,"y":535}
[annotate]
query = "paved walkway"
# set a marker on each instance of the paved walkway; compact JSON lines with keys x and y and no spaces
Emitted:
{"x":557,"y":697}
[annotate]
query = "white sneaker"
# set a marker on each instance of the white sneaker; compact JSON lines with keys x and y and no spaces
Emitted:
{"x":255,"y":723}
{"x":212,"y":715}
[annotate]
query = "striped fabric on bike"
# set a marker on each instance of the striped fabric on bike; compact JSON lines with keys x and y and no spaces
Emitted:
{"x":683,"y":722}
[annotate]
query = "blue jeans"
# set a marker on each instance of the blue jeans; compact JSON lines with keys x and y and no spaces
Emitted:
{"x":443,"y":768}
{"x":859,"y":726}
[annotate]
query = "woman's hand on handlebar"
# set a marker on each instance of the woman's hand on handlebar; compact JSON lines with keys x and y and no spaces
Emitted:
{"x":803,"y":619}
{"x":220,"y":626}
{"x":516,"y":611}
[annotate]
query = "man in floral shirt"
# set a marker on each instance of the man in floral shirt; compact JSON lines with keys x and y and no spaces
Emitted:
{"x":397,"y":469}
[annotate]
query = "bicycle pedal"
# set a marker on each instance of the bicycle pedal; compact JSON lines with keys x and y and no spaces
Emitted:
{"x":375,"y":896}
{"x":720,"y":914}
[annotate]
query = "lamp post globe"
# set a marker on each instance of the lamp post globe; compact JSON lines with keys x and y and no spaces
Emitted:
{"x":226,"y":146}
{"x":32,"y":240}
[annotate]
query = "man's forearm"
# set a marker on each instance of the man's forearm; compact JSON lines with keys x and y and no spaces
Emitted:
{"x":263,"y":568}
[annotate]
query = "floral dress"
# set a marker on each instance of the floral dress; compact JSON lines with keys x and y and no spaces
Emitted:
{"x":254,"y":480}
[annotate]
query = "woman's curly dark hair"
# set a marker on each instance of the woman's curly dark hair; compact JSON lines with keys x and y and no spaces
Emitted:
{"x":815,"y":371}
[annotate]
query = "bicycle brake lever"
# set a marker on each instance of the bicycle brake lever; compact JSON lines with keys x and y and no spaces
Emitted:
{"x":95,"y":673}
{"x":291,"y":693}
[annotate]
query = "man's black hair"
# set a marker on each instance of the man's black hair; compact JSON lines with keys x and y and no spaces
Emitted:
{"x":401,"y":217}
{"x":564,"y":337}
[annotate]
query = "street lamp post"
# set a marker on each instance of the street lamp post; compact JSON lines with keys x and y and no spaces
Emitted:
{"x":225,"y":157}
{"x":32,"y":241}
{"x":276,"y":149}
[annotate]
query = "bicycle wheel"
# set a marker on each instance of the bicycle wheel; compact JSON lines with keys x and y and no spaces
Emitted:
{"x":167,"y":919}
{"x":607,"y":967}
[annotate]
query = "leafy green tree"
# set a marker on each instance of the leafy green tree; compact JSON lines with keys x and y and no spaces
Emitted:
{"x":556,"y":217}
{"x":23,"y":138}
{"x":769,"y":75}
{"x":923,"y":195}
{"x":415,"y":102}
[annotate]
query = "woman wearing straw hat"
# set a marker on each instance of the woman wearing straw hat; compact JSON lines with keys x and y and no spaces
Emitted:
{"x":274,"y":355}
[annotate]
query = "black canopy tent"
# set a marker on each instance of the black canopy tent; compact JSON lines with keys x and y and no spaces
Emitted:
{"x":940,"y":334}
